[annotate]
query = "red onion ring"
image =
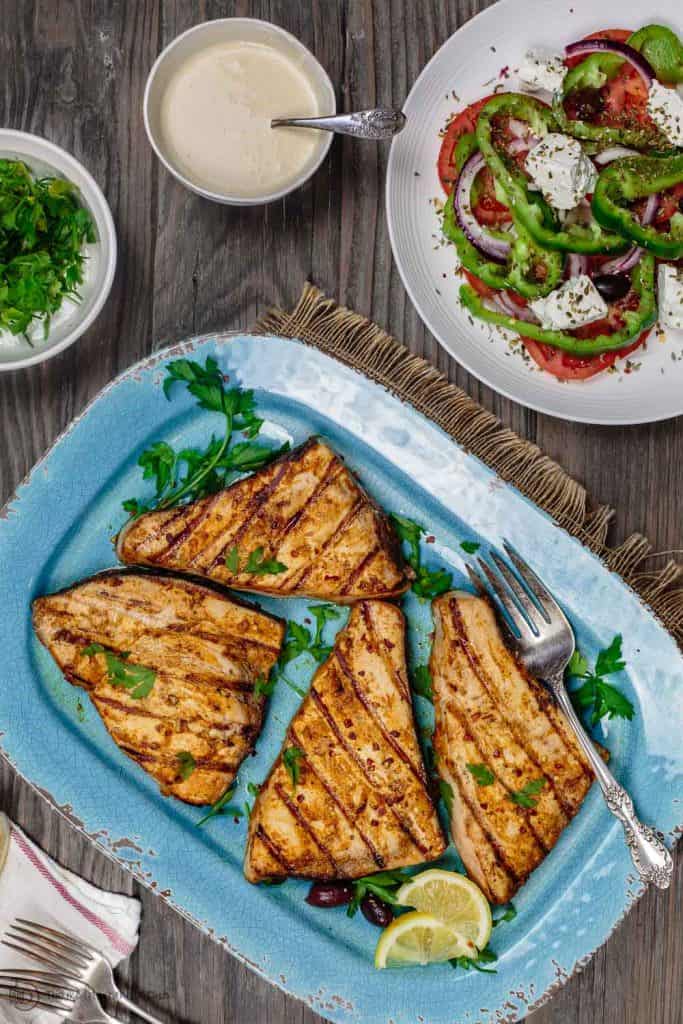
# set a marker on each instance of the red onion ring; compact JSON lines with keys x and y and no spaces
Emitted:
{"x":628,"y":260}
{"x":496,"y":249}
{"x":614,"y":153}
{"x":627,"y":53}
{"x":504,"y":304}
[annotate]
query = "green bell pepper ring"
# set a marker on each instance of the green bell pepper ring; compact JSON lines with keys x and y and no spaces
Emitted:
{"x":529,"y":209}
{"x":519,"y":273}
{"x":636,"y":321}
{"x":636,"y":177}
{"x":662,"y":49}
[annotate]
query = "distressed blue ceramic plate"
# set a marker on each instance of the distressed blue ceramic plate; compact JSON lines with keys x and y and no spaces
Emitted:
{"x":57,"y":530}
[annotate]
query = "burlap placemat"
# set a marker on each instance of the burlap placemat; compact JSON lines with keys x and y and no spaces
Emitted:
{"x":363,"y":345}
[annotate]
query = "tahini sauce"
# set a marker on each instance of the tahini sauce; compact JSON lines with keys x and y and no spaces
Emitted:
{"x":216,"y":113}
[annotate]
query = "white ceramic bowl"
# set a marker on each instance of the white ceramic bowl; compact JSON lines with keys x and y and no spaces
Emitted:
{"x":73,"y":319}
{"x":222,"y":30}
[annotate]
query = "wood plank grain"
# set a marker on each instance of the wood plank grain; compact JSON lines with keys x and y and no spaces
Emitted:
{"x":74,"y":70}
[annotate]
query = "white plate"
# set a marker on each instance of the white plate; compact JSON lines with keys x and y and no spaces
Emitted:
{"x":72,"y":319}
{"x":468,"y":65}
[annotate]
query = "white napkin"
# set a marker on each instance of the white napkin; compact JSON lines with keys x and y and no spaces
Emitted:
{"x":33,"y":886}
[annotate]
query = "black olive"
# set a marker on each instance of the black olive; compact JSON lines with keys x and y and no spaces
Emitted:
{"x":329,"y":894}
{"x":376,"y":910}
{"x":584,"y":104}
{"x":612,"y":286}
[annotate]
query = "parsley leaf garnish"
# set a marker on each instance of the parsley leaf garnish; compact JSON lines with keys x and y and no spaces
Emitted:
{"x":222,"y":806}
{"x":484,"y":956}
{"x":446,"y":794}
{"x":509,"y":914}
{"x":192,"y":473}
{"x":257,"y":564}
{"x":186,"y":764}
{"x":422,"y":682}
{"x":253,"y":789}
{"x":264,"y":687}
{"x":596,"y":694}
{"x":137,"y":679}
{"x":384,"y":885}
{"x":428,"y":583}
{"x":291,"y":758}
{"x":526,"y":796}
{"x":482,"y":775}
{"x":470,"y":546}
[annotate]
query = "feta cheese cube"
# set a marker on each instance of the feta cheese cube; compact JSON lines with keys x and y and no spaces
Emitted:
{"x":575,"y":303}
{"x":670,"y":289}
{"x":560,"y":169}
{"x":665,"y":107}
{"x":541,"y":70}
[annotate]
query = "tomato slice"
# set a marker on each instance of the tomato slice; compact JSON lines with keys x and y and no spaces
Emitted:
{"x":462,"y":123}
{"x":568,"y":367}
{"x":480,"y":288}
{"x":621,"y":101}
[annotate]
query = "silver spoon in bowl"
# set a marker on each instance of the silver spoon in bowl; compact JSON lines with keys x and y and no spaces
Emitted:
{"x":380,"y":123}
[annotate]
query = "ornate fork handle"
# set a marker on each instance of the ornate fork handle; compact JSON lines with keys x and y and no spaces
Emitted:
{"x":652,"y":860}
{"x":380,"y":123}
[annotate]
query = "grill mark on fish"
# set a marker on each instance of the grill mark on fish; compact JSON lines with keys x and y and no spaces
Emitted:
{"x":186,"y":532}
{"x":274,"y":850}
{"x":369,"y":707}
{"x":254,"y":505}
{"x":361,"y":768}
{"x":239,"y":728}
{"x":476,"y":810}
{"x":495,"y":847}
{"x":297,"y":813}
{"x":351,"y":515}
{"x":380,"y":649}
{"x":480,"y":673}
{"x":353,"y":824}
{"x":356,"y":573}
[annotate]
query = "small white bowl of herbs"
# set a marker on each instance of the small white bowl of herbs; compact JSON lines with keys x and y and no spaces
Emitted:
{"x":57,"y":249}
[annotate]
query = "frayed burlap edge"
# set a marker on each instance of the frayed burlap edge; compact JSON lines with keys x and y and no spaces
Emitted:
{"x":359,"y":343}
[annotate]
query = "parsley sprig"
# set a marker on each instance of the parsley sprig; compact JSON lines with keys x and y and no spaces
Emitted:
{"x":596,"y":694}
{"x":43,"y":229}
{"x":484,"y":956}
{"x":421,"y":679}
{"x":428,"y":583}
{"x":482,"y":775}
{"x":257,"y":564}
{"x":222,"y":806}
{"x":384,"y":885}
{"x":186,"y":764}
{"x":193,"y":473}
{"x":527,"y":796}
{"x":292,"y":758}
{"x":137,"y":679}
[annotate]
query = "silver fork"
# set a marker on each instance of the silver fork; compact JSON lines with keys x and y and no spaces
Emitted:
{"x":77,"y":960}
{"x":545,"y":642}
{"x":60,"y":993}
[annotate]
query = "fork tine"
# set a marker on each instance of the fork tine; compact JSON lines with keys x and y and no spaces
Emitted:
{"x":46,"y":999}
{"x":21,"y":933}
{"x":530,"y":610}
{"x":20,"y":973}
{"x":38,"y":954}
{"x":64,"y":937}
{"x":476,"y":579}
{"x":507,"y":604}
{"x":537,"y":587}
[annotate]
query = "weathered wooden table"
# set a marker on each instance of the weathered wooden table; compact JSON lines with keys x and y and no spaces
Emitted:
{"x":74,"y":71}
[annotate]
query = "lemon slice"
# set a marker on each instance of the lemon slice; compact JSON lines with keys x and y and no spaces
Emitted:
{"x":451,"y":898}
{"x":418,"y":938}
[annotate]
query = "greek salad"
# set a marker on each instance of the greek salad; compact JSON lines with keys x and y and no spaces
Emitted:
{"x":565,"y":200}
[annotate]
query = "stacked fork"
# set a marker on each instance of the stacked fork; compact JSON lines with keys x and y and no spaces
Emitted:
{"x":73,"y":975}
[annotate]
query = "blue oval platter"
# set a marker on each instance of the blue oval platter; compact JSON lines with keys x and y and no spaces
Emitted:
{"x":57,"y":529}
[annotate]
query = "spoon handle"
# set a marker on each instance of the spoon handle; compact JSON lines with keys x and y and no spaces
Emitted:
{"x":380,"y":123}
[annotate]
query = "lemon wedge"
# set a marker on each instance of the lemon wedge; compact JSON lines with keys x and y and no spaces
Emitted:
{"x":451,"y":898}
{"x":419,"y":938}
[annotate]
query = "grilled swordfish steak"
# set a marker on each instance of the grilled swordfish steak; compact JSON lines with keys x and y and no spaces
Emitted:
{"x":517,"y":773}
{"x":306,"y":511}
{"x":348,"y":795}
{"x":183,"y":702}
